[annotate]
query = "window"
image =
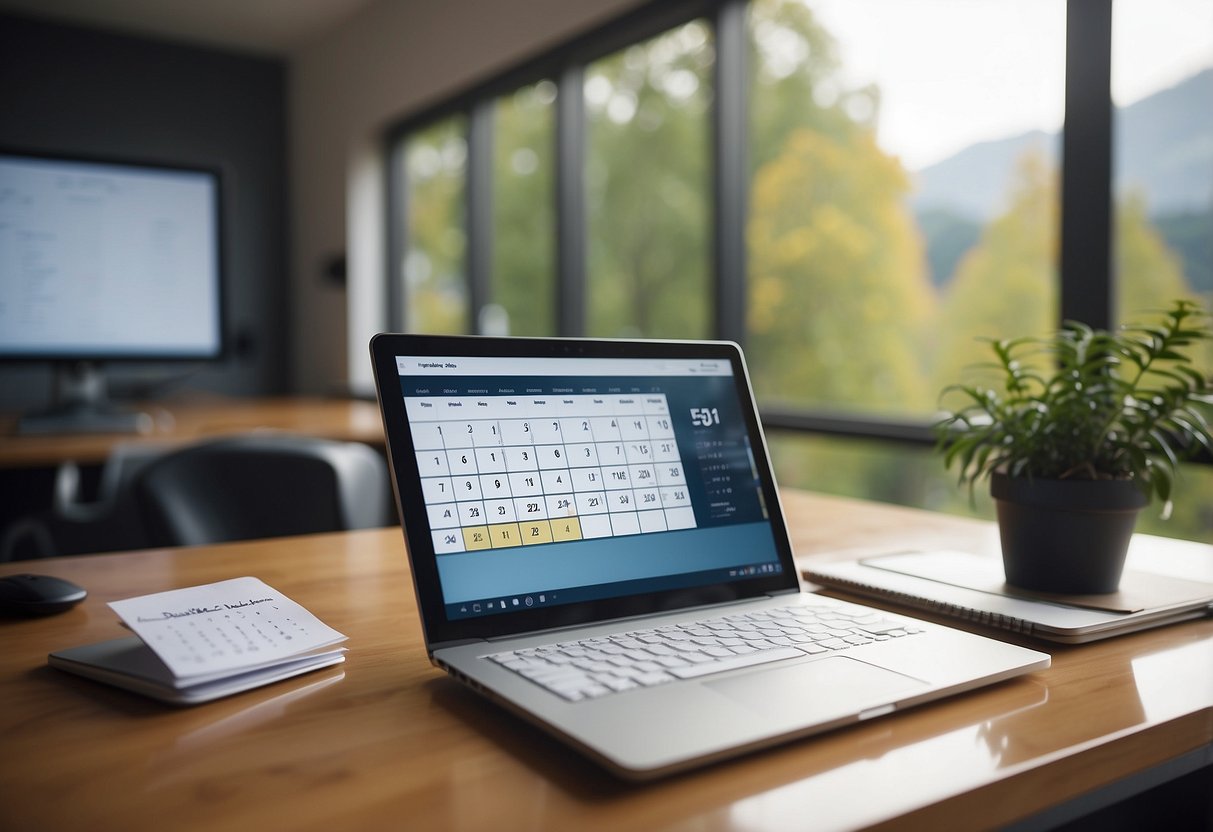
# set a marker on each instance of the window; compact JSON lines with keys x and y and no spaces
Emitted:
{"x":523,"y":279}
{"x":899,"y":207}
{"x":431,"y":271}
{"x":1162,"y":88}
{"x":648,"y":187}
{"x":856,"y":203}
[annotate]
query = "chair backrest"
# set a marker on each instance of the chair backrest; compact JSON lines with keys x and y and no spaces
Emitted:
{"x":261,"y":485}
{"x":125,"y":461}
{"x":77,"y":524}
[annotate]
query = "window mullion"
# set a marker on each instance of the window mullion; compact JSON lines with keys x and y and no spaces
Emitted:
{"x":397,"y":236}
{"x":731,"y":180}
{"x":479,"y":210}
{"x":1086,"y":174}
{"x":571,"y":249}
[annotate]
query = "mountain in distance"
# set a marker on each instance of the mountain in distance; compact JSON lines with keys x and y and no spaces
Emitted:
{"x":1163,"y":149}
{"x":1163,"y":146}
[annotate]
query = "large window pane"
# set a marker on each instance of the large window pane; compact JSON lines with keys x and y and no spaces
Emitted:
{"x":647,"y":178}
{"x":1162,"y":86}
{"x":523,"y":291}
{"x":433,"y":268}
{"x":904,"y":193}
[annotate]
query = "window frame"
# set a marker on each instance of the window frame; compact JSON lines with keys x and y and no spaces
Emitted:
{"x":1086,"y":281}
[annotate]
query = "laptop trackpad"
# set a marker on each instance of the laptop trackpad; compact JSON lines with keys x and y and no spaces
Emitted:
{"x":827,"y":686}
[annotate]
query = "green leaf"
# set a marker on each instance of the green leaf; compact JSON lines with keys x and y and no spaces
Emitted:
{"x":1086,"y":402}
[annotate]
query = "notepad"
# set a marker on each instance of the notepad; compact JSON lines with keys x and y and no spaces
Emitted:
{"x":1167,"y":581}
{"x":204,"y":642}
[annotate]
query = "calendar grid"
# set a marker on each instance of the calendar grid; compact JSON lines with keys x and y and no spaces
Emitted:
{"x":499,"y":472}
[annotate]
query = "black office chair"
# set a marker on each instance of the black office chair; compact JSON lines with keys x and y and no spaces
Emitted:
{"x":262,"y":485}
{"x":76,"y":523}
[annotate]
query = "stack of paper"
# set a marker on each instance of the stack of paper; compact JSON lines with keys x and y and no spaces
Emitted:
{"x":198,"y":644}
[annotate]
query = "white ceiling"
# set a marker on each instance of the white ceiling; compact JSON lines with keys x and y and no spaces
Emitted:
{"x":269,"y":26}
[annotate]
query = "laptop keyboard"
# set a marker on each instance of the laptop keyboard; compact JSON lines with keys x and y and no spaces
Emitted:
{"x":594,"y":667}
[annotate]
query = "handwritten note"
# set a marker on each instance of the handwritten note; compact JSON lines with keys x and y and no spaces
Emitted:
{"x":228,"y":626}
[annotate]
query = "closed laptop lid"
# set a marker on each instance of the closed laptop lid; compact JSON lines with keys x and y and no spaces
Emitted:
{"x":553,"y":482}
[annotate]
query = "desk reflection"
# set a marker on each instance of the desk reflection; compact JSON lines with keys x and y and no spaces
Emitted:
{"x":1174,"y":680}
{"x":174,"y":764}
{"x":920,"y":756}
{"x":914,"y":757}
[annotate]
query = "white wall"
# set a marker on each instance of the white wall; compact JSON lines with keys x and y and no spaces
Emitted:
{"x":392,"y":58}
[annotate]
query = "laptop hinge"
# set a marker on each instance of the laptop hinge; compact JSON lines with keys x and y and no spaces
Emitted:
{"x":442,"y":645}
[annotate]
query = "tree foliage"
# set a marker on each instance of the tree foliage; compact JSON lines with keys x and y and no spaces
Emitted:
{"x":837,"y":285}
{"x":1005,"y":286}
{"x":524,"y":211}
{"x":433,"y":271}
{"x":648,"y":187}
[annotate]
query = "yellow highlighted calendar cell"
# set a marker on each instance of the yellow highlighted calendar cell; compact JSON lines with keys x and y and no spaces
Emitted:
{"x":476,"y":537}
{"x":566,"y":528}
{"x":505,"y":534}
{"x":536,"y":531}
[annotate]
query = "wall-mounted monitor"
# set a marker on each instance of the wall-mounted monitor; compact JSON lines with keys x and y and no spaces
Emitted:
{"x":100,"y":262}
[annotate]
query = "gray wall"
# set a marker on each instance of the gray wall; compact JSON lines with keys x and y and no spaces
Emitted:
{"x":73,"y":90}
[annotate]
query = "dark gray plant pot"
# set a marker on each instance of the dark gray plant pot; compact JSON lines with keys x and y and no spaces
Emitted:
{"x":1066,"y":536}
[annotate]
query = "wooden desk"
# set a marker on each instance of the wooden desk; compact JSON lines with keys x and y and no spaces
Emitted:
{"x":188,"y":420}
{"x":387,"y":742}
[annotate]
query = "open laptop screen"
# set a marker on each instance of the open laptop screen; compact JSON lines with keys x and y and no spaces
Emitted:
{"x":551,"y":483}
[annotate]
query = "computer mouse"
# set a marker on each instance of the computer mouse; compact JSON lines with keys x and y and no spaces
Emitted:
{"x":27,"y":594}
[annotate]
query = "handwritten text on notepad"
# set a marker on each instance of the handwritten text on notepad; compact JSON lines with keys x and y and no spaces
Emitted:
{"x":203,"y":610}
{"x":223,"y":626}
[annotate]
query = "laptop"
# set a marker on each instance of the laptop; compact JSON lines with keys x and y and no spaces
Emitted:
{"x":597,"y":544}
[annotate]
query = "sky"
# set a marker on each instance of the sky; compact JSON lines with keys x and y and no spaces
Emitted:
{"x":956,"y":72}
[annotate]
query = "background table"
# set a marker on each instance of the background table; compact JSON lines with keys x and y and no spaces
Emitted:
{"x":28,"y":464}
{"x":200,"y":417}
{"x":385,"y":741}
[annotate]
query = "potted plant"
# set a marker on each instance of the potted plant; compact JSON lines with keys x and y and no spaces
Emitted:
{"x":1084,"y":428}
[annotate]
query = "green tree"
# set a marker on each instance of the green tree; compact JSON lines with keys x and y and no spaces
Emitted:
{"x":1148,"y":274}
{"x":1006,"y":286}
{"x":435,"y":296}
{"x":648,"y":184}
{"x":838,"y":295}
{"x":837,"y":290}
{"x":524,"y":225}
{"x":796,"y":83}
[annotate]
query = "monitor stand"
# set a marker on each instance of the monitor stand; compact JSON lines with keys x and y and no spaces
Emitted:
{"x":82,"y":405}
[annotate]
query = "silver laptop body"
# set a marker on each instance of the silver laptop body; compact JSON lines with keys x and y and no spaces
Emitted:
{"x":597,"y":544}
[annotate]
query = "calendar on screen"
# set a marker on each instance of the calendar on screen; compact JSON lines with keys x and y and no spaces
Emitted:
{"x":542,"y":481}
{"x":503,"y":471}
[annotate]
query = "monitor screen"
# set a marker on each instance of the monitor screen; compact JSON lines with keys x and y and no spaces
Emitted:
{"x":102,"y":261}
